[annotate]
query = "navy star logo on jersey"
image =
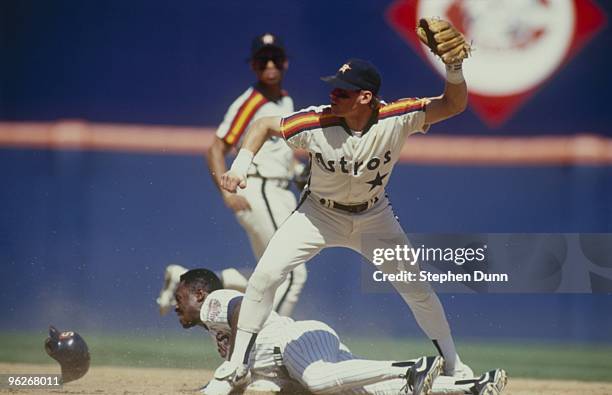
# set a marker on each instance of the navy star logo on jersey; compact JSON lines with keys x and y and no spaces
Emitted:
{"x":377,"y":181}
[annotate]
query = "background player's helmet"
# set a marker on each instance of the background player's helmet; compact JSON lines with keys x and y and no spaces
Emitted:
{"x":70,"y":350}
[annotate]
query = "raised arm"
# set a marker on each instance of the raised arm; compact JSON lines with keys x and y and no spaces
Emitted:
{"x":256,"y":135}
{"x":452,"y":102}
{"x":445,"y":41}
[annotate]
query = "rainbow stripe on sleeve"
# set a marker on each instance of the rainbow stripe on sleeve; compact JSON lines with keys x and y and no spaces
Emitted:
{"x":243,"y":117}
{"x":400,"y":107}
{"x":302,"y":121}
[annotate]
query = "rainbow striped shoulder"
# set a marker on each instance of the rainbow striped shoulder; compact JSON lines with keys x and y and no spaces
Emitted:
{"x":244,"y":116}
{"x":308,"y":120}
{"x":400,"y":107}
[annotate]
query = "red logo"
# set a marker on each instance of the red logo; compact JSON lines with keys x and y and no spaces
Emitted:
{"x":519,"y":44}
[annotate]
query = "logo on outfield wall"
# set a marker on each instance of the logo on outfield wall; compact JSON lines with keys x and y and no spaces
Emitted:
{"x":519,"y":44}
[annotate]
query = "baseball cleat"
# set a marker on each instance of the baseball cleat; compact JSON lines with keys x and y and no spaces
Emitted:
{"x":421,"y":375}
{"x":172,"y":277}
{"x":492,"y":382}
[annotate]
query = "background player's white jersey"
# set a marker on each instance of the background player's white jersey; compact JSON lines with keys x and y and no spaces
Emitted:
{"x":267,"y":191}
{"x":347,"y":168}
{"x":275,"y":159}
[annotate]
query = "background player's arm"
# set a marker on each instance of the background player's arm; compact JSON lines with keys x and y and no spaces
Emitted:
{"x":452,"y":102}
{"x":260,"y":131}
{"x":216,"y":166}
{"x":256,"y":136}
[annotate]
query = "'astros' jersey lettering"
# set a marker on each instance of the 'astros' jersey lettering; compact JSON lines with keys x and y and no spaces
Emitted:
{"x":347,"y":168}
{"x":275,"y":159}
{"x":215,"y":313}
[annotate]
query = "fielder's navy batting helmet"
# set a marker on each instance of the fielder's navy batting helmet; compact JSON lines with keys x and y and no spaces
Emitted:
{"x":70,"y":350}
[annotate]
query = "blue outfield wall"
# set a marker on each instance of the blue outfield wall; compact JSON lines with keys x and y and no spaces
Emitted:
{"x":85,"y":236}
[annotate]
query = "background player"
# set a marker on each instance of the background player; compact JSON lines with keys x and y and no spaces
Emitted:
{"x":265,"y":204}
{"x":354,"y":144}
{"x":308,"y":353}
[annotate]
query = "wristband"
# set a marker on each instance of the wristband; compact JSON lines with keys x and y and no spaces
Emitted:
{"x":454,"y":73}
{"x":241,"y":164}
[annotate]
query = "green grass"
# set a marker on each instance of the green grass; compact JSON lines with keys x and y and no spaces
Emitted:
{"x":196,"y":351}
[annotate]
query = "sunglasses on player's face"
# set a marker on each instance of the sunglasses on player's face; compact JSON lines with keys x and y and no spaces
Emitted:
{"x":261,"y":61}
{"x":342,"y":93}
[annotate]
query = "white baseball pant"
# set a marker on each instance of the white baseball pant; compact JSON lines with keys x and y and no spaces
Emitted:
{"x":271,"y":204}
{"x":313,"y":227}
{"x":315,"y":357}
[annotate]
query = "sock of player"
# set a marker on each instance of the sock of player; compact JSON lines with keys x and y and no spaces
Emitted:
{"x":255,"y":309}
{"x":446,"y":347}
{"x":242,"y":347}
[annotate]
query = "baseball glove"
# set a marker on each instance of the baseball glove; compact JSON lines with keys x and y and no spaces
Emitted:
{"x":443,"y":40}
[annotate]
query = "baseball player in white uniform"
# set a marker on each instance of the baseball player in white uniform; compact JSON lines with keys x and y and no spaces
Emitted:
{"x":295,"y":356}
{"x":267,"y":201}
{"x":354,"y":144}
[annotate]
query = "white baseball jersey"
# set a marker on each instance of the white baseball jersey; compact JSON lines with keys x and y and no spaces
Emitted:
{"x":275,"y":159}
{"x":215,"y":314}
{"x":347,"y":168}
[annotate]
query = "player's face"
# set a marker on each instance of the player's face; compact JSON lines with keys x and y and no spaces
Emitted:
{"x":187,"y":306}
{"x":344,"y":102}
{"x":269,"y":66}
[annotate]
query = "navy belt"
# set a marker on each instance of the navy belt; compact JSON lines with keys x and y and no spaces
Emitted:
{"x":349,"y":208}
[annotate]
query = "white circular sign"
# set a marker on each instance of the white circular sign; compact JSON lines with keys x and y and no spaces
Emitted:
{"x":517,"y":43}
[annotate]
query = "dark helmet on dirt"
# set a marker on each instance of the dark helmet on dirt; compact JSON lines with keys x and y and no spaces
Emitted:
{"x":70,"y":350}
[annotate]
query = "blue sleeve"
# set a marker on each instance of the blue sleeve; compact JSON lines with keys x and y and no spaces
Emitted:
{"x":231,"y":306}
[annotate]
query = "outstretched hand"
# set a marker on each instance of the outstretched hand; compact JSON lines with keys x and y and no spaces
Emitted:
{"x":230,"y":181}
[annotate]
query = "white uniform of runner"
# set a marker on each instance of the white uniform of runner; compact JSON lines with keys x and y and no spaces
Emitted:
{"x":307,"y":352}
{"x":348,"y":170}
{"x":268,"y":181}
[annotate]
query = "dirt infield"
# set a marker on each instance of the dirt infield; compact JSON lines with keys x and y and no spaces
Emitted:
{"x":128,"y":381}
